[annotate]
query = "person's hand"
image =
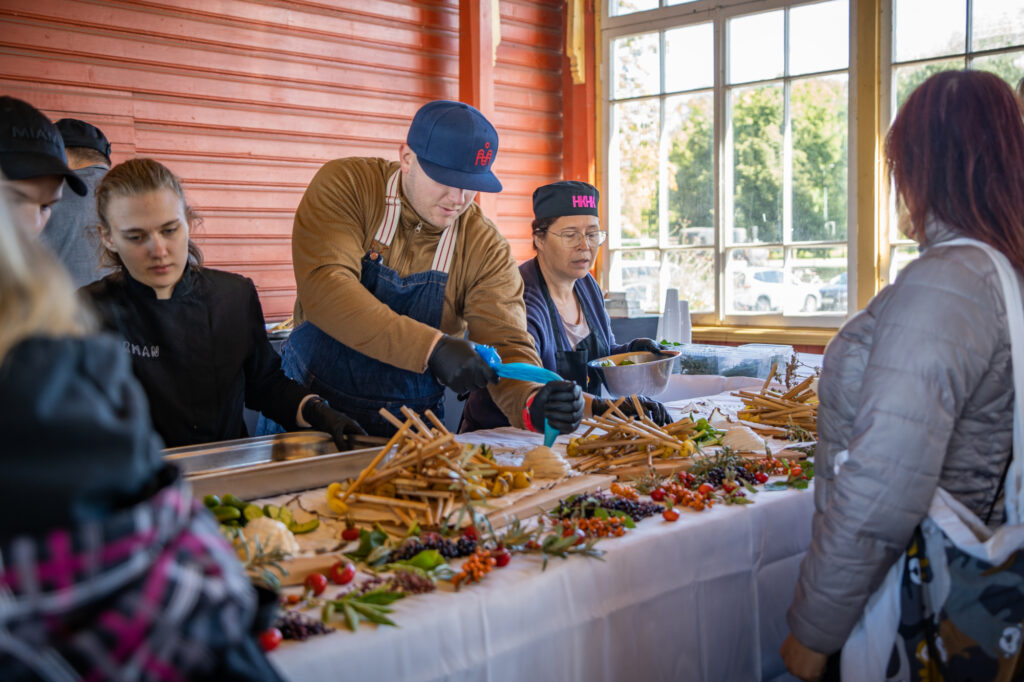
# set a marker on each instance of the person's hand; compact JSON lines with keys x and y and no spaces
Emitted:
{"x":801,"y":661}
{"x":651,"y":408}
{"x":561,"y":403}
{"x":457,"y":365}
{"x":323,"y":417}
{"x":641,"y":344}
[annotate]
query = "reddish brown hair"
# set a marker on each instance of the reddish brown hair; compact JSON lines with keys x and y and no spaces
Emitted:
{"x":956,"y":152}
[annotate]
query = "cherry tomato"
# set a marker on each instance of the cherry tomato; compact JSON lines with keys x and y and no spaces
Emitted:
{"x":705,"y":489}
{"x":761,"y":477}
{"x":349,"y":534}
{"x":342,"y":572}
{"x":501,"y":557}
{"x":728,"y":486}
{"x":796,"y":472}
{"x":670,"y":515}
{"x":658,"y":495}
{"x":292,"y":599}
{"x":269,"y":639}
{"x":316,"y":583}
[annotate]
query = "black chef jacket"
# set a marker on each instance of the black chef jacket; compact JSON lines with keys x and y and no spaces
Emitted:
{"x":200,"y":355}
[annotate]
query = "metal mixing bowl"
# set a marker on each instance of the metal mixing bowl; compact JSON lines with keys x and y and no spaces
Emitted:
{"x":649,"y":375}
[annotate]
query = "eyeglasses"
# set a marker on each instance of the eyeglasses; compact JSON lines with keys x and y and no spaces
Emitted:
{"x":573,"y":238}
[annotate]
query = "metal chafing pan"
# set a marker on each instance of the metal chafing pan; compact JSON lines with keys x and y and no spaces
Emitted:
{"x":270,"y":465}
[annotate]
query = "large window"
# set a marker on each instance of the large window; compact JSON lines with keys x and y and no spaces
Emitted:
{"x":727,"y":158}
{"x":929,"y":36}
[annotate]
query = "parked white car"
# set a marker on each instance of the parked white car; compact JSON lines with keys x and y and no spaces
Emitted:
{"x":770,"y":290}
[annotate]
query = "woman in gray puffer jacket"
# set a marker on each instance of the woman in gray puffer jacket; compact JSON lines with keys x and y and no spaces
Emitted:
{"x":918,"y":386}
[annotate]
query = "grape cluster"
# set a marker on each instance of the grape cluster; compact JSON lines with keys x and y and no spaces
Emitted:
{"x":584,"y":505}
{"x":448,"y":549}
{"x":411,"y":583}
{"x":294,"y":625}
{"x":718,"y":474}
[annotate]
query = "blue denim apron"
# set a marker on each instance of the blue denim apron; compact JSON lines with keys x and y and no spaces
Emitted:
{"x":357,"y":384}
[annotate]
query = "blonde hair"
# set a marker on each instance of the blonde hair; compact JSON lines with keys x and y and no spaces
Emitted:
{"x":132,"y":178}
{"x":36,"y":294}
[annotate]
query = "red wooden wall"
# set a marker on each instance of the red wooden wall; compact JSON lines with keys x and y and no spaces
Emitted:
{"x":245,"y":99}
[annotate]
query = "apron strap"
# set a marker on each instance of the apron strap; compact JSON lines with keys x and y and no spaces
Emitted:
{"x":445,"y":252}
{"x":392,"y":212}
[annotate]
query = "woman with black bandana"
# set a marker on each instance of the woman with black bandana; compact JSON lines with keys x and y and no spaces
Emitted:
{"x":564,"y":305}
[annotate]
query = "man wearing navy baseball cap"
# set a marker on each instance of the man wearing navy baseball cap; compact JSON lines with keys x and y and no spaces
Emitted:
{"x":34,"y":164}
{"x":394,"y":262}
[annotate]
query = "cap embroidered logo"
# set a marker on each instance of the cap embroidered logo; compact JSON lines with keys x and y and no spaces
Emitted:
{"x":484,"y":156}
{"x":583,"y":201}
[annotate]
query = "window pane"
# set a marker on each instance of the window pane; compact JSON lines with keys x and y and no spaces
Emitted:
{"x":819,"y":37}
{"x":620,"y":7}
{"x":906,"y":78}
{"x":900,"y":258}
{"x":678,"y":2}
{"x":756,"y":45}
{"x":692,"y":271}
{"x":818,"y":111}
{"x":634,"y":170}
{"x":817,"y":281}
{"x":636,"y":66}
{"x":928,"y":28}
{"x":756,"y":116}
{"x":689,"y":58}
{"x":638,"y":273}
{"x":689,"y":130}
{"x":997,"y":23}
{"x":1008,"y":65}
{"x":752,"y":280}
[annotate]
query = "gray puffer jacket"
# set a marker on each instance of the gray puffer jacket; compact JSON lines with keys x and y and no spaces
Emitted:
{"x":918,"y":387}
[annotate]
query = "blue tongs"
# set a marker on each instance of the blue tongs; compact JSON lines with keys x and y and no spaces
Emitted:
{"x":523,"y":372}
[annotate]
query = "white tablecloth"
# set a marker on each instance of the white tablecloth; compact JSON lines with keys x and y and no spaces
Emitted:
{"x":702,"y":599}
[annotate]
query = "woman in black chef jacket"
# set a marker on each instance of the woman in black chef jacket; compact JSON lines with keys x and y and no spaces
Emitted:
{"x":565,"y":310}
{"x":196,"y":336}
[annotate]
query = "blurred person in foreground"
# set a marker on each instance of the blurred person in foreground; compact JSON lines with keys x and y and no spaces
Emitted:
{"x":34,"y":165}
{"x":565,"y":310}
{"x":197,"y":338}
{"x":917,"y":395}
{"x":108,"y":568}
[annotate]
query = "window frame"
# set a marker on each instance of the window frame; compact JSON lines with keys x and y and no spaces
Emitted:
{"x":718,"y":13}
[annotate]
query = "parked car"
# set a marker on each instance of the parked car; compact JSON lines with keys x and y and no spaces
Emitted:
{"x":833,"y":294}
{"x":769,"y":290}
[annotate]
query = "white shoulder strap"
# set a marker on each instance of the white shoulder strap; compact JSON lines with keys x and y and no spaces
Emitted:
{"x":392,"y":211}
{"x":1014,"y":486}
{"x":445,"y":253}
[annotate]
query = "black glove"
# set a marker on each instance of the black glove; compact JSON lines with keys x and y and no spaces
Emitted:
{"x":323,"y":417}
{"x":649,"y":345}
{"x":654,"y":410}
{"x":457,"y":365}
{"x":561,"y":403}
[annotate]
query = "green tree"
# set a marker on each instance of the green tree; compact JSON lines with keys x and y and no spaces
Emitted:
{"x":757,"y":161}
{"x":691,"y":168}
{"x":819,"y":123}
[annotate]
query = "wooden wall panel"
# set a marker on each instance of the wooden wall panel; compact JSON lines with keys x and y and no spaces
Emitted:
{"x":246,"y":99}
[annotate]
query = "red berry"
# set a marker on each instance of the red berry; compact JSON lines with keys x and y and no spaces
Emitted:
{"x":670,"y":515}
{"x":269,"y":639}
{"x":501,"y":557}
{"x":761,"y":477}
{"x":292,"y":599}
{"x":705,"y":489}
{"x":470,"y":532}
{"x":728,"y":486}
{"x":316,"y":583}
{"x":342,"y":572}
{"x":658,"y":495}
{"x":349,"y":534}
{"x":796,"y":472}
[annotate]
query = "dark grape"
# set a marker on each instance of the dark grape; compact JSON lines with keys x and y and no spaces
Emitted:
{"x":294,"y":625}
{"x":448,"y":549}
{"x":584,"y":505}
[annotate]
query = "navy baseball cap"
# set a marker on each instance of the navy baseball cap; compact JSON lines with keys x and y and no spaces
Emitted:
{"x":455,"y":145}
{"x":31,"y":146}
{"x":568,"y":197}
{"x":81,"y":134}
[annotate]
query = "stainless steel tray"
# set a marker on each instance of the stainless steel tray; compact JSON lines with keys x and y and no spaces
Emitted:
{"x":270,"y":465}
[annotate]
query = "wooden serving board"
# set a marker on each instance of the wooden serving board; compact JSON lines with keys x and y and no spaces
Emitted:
{"x":541,"y":496}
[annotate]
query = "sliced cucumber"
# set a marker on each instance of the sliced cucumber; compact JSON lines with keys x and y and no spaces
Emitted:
{"x":271,"y":511}
{"x":252,"y":512}
{"x":286,"y":516}
{"x":307,"y":527}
